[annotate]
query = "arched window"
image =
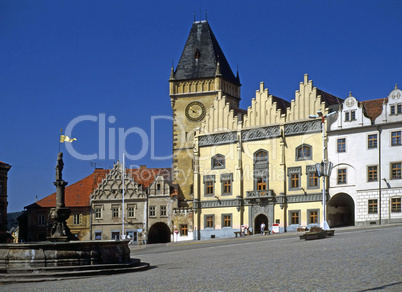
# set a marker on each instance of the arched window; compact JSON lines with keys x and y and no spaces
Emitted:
{"x":218,"y":161}
{"x":304,"y":152}
{"x":261,"y":156}
{"x":261,"y":170}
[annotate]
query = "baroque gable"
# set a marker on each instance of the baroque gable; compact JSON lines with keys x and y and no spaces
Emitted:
{"x":111,"y":187}
{"x":391,"y":107}
{"x":351,"y":114}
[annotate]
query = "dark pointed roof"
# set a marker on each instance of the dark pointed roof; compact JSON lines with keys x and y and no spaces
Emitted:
{"x":201,"y":55}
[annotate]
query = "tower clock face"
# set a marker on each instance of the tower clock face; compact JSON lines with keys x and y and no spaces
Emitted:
{"x":195,"y":111}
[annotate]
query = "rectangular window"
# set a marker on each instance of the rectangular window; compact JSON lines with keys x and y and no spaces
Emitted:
{"x":347,"y":118}
{"x":98,"y":235}
{"x":116,"y":235}
{"x":342,"y":176}
{"x":396,"y":205}
{"x":98,"y":212}
{"x":115,"y":212}
{"x":353,"y":115}
{"x":183,"y":230}
{"x":372,"y":141}
{"x":209,"y":187}
{"x":294,"y":181}
{"x":341,"y":145}
{"x":227,"y":186}
{"x":163,"y":211}
{"x":261,"y":183}
{"x":131,"y":211}
{"x":152,"y":211}
{"x":396,"y":170}
{"x":312,"y":179}
{"x":372,"y":206}
{"x":313,"y":217}
{"x":372,"y":173}
{"x":392,"y":108}
{"x":396,"y":138}
{"x":227,"y":221}
{"x":41,"y":220}
{"x":209,"y":221}
{"x":399,"y":108}
{"x":294,"y":217}
{"x":76,"y":219}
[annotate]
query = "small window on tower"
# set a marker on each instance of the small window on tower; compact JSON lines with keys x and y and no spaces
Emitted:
{"x":197,"y":54}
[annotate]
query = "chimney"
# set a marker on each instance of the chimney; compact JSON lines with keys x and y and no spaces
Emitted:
{"x":143,"y":166}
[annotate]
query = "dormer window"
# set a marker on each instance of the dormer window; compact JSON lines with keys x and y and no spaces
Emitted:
{"x":303,"y":152}
{"x":353,"y":115}
{"x":218,"y":161}
{"x":197,"y":54}
{"x":392,"y":110}
{"x":350,"y":116}
{"x":396,"y":109}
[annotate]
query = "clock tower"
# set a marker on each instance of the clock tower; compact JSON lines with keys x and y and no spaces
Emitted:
{"x":201,"y":75}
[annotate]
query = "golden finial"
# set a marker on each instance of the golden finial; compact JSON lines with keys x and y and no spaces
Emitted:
{"x":396,"y":85}
{"x":350,"y":93}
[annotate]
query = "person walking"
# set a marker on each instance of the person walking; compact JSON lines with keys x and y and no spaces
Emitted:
{"x":262,"y":228}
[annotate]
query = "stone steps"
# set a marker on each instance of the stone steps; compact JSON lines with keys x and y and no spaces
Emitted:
{"x":69,"y":272}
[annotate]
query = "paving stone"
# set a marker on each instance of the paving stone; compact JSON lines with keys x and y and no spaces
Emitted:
{"x":360,"y":260}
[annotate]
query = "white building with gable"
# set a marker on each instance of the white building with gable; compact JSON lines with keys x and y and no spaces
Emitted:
{"x":364,"y":145}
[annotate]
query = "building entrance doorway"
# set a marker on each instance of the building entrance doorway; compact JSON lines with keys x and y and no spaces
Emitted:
{"x":257,"y":223}
{"x":341,"y":211}
{"x":159,"y":233}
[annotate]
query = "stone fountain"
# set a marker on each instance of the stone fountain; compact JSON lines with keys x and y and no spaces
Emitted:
{"x":62,"y":255}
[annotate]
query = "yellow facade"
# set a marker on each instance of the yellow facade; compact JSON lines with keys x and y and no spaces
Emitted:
{"x":283,"y":189}
{"x":79,"y":223}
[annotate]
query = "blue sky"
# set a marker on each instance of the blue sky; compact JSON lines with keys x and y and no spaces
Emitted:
{"x":62,"y":60}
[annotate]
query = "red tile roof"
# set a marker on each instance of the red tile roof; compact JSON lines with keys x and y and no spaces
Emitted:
{"x":77,"y":194}
{"x":373,"y":108}
{"x":146,"y":176}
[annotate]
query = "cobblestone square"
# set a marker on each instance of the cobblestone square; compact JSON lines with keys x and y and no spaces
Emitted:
{"x":353,"y":260}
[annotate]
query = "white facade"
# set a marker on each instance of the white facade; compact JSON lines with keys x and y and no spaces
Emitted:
{"x":367,"y":156}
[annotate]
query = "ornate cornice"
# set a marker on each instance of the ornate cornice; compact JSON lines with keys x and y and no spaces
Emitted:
{"x":303,"y":127}
{"x":215,"y":139}
{"x":260,"y":133}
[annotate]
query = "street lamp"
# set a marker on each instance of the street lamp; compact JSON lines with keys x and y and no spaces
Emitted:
{"x":324,"y":167}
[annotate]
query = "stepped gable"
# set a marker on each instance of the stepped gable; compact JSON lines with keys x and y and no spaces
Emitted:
{"x":310,"y":99}
{"x":265,"y":109}
{"x":281,"y":103}
{"x":373,"y":108}
{"x":221,"y":116}
{"x":201,"y":55}
{"x":77,"y":194}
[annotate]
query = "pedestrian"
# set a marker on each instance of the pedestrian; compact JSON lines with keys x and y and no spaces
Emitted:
{"x":243,"y":231}
{"x":262,"y":228}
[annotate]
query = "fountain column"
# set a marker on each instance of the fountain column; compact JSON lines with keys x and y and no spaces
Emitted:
{"x":60,"y":231}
